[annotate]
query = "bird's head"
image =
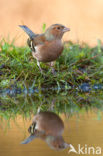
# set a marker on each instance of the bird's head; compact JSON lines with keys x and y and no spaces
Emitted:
{"x":56,"y":31}
{"x":57,"y":142}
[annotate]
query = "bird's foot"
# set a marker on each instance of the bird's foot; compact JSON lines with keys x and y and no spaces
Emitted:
{"x":53,"y":71}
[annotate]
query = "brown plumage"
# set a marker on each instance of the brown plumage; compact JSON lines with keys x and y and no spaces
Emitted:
{"x":49,"y":127}
{"x":46,"y":47}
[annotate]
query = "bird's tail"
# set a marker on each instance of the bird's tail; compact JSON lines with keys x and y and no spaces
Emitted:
{"x":29,"y":139}
{"x":28,"y":31}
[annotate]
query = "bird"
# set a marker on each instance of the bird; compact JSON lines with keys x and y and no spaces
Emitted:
{"x":49,"y":127}
{"x":48,"y":46}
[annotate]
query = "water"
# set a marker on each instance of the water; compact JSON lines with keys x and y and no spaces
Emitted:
{"x":81,"y":114}
{"x":84,"y":129}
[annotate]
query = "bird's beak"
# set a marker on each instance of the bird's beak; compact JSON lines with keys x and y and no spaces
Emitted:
{"x":66,"y":29}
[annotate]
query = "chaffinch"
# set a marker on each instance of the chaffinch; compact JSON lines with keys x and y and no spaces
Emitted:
{"x":46,"y":47}
{"x":49,"y":127}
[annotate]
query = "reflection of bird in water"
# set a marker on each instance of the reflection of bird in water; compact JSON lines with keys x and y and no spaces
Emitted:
{"x":49,"y":127}
{"x":46,"y":47}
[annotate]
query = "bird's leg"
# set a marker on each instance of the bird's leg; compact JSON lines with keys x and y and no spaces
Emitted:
{"x":52,"y":65}
{"x":39,"y":108}
{"x":38,"y":63}
{"x":51,"y":108}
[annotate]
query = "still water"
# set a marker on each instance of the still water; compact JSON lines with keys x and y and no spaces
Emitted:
{"x":83,"y":129}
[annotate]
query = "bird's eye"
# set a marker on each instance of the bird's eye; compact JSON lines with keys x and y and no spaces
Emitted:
{"x":58,"y":28}
{"x":61,"y":146}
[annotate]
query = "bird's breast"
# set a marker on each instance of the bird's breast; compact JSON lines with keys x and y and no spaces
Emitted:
{"x":49,"y":51}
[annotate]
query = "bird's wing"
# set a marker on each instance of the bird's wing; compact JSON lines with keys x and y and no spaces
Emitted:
{"x":39,"y":39}
{"x":36,"y":41}
{"x":31,"y":129}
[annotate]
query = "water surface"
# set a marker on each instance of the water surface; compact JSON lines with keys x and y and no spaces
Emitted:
{"x":84,"y":128}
